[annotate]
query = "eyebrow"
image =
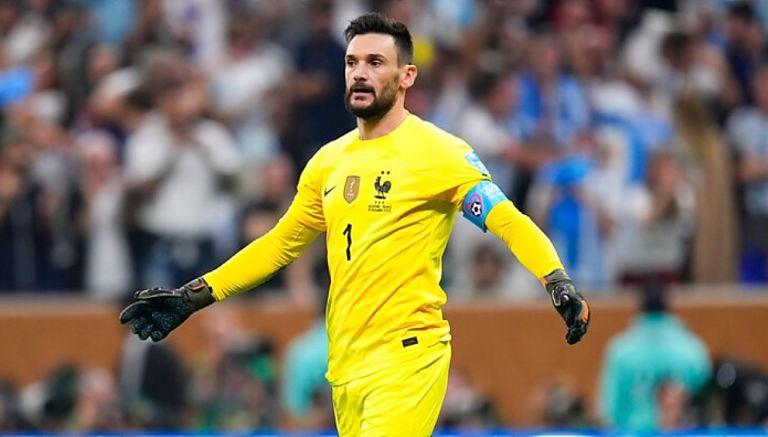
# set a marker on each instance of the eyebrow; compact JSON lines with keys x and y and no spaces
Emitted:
{"x":367,"y":56}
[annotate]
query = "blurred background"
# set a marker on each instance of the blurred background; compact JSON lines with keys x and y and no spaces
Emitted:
{"x":144,"y":142}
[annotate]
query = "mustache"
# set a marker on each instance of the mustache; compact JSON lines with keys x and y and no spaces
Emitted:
{"x":358,"y":87}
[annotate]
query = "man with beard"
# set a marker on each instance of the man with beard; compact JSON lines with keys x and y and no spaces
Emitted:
{"x":386,"y":195}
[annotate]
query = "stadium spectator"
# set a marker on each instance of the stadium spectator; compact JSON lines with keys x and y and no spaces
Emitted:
{"x":107,"y":258}
{"x":562,"y":407}
{"x":735,"y":395}
{"x":747,"y":130}
{"x":465,"y":408}
{"x":57,"y":207}
{"x":111,"y":20}
{"x":49,"y":403}
{"x":484,"y":125}
{"x":655,"y":247}
{"x":446,"y":88}
{"x":10,"y":417}
{"x":173,"y":142}
{"x":219,"y":332}
{"x":690,"y":66}
{"x":675,"y":412}
{"x":564,"y":203}
{"x":97,"y":408}
{"x":306,"y":397}
{"x":744,"y":46}
{"x":554,"y":109}
{"x":149,"y":31}
{"x":151,"y":384}
{"x":316,"y":87}
{"x":655,"y":350}
{"x":244,"y":397}
{"x":197,"y":27}
{"x":488,"y":271}
{"x":299,"y":282}
{"x":253,"y":69}
{"x":17,"y":230}
{"x":24,"y":31}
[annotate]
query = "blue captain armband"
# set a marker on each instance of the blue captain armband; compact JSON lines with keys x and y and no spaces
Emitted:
{"x":479,"y":201}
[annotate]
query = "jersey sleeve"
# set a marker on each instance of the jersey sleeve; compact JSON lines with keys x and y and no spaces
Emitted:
{"x":524,"y":239}
{"x":458,"y":170}
{"x":307,"y":206}
{"x":463,"y":180}
{"x":257,"y":262}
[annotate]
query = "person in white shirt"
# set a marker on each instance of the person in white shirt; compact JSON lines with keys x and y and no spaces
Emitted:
{"x":177,"y":212}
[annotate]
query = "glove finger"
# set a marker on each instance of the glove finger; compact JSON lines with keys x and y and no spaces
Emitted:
{"x":579,"y":327}
{"x":577,"y":312}
{"x":157,"y":335}
{"x":146,"y":330}
{"x":132,"y":311}
{"x":575,"y":333}
{"x":154,"y":293}
{"x":165,"y":320}
{"x":139,"y":324}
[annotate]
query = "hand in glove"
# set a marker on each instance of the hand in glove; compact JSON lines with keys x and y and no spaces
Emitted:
{"x":571,"y":305}
{"x":158,"y":311}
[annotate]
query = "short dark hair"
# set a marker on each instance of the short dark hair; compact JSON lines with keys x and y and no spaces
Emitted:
{"x":653,"y":297}
{"x":375,"y":22}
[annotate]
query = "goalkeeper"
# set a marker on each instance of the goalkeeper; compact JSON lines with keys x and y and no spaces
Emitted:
{"x":385,"y":195}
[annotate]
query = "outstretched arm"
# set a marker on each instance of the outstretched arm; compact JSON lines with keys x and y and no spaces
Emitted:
{"x":158,"y":311}
{"x":521,"y":235}
{"x":258,"y":261}
{"x":467,"y":182}
{"x":488,"y":208}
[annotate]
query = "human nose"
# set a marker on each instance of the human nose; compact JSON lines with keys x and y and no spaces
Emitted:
{"x":360,"y":73}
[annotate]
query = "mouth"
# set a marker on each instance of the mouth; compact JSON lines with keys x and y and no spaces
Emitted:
{"x":360,"y":92}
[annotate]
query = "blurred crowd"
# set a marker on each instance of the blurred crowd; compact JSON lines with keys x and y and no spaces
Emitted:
{"x":234,"y":381}
{"x":656,"y":375}
{"x":144,"y":142}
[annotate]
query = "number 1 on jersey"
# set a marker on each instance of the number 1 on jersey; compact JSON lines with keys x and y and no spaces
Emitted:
{"x":348,"y":233}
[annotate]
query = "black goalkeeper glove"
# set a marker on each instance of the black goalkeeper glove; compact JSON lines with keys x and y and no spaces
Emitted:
{"x":569,"y":303}
{"x":158,"y":311}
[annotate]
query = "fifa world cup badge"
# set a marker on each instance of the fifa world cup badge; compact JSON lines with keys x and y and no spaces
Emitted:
{"x":351,"y":188}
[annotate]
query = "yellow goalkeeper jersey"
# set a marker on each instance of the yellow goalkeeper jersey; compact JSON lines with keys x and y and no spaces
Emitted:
{"x":387,"y":206}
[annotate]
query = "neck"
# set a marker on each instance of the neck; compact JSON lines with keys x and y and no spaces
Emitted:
{"x":378,"y":127}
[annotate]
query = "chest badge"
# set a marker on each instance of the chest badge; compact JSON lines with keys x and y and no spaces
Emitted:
{"x":351,"y":188}
{"x":382,"y":186}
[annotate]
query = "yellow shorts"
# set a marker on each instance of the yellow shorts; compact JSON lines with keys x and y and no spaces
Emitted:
{"x":404,"y":400}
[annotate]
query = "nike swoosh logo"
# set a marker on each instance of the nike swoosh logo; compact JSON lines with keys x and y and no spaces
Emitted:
{"x":328,"y":190}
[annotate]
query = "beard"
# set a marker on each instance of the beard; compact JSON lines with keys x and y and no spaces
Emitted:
{"x":380,"y":104}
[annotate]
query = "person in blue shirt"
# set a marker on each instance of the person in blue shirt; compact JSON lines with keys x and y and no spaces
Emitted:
{"x":304,"y":387}
{"x":654,"y":351}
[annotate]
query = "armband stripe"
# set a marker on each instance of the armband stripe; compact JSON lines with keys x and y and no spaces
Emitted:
{"x":479,"y":202}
